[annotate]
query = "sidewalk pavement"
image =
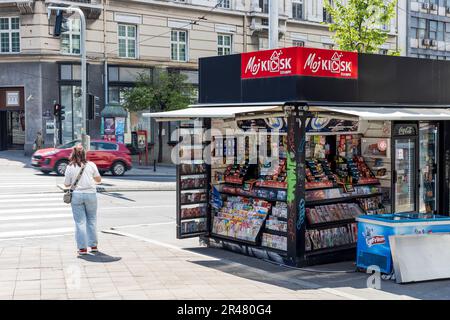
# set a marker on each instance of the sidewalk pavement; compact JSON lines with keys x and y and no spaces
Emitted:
{"x":133,"y":268}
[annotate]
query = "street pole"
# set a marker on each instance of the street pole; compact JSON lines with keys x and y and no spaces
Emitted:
{"x":85,"y":139}
{"x":273,"y":24}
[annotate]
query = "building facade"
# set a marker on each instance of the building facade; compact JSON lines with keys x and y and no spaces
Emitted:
{"x":426,"y":28}
{"x":126,"y":38}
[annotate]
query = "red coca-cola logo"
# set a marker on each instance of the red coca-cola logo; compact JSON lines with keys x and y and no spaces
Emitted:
{"x":299,"y":61}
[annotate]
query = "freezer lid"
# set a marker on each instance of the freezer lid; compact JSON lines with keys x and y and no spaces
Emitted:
{"x":389,"y":113}
{"x":211,"y":112}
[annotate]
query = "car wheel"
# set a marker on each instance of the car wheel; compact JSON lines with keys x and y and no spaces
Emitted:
{"x":118,"y":169}
{"x":61,"y":167}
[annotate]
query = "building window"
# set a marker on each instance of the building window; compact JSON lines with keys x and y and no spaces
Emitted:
{"x":264,"y":5}
{"x":226,"y":4}
{"x":383,"y":51}
{"x":127,"y":41}
{"x":297,"y":9}
{"x":224,"y":43}
{"x":326,"y":15}
{"x":70,"y":39}
{"x":9,"y":35}
{"x":298,"y":43}
{"x":328,"y":46}
{"x":178,"y":45}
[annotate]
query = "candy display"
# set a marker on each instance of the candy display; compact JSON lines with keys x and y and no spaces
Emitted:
{"x":189,"y":197}
{"x":191,"y":183}
{"x":328,"y":238}
{"x":191,"y":226}
{"x":274,"y":241}
{"x":333,"y":212}
{"x":318,"y":174}
{"x":236,"y":173}
{"x":190,"y":168}
{"x":273,"y":174}
{"x":241,"y":218}
{"x":193,"y":212}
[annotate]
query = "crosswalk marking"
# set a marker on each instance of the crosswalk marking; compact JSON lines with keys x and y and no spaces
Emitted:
{"x":35,"y":232}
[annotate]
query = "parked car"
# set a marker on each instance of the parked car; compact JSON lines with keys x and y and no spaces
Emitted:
{"x":107,"y":155}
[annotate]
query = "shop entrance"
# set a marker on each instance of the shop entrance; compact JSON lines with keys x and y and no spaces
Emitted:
{"x":12,"y":133}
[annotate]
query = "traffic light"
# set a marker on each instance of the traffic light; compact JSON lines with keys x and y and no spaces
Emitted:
{"x":56,"y":110}
{"x":62,"y":113}
{"x":60,"y":24}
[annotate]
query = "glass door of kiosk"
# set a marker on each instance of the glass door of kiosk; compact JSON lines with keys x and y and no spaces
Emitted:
{"x":428,"y":133}
{"x":405,"y":167}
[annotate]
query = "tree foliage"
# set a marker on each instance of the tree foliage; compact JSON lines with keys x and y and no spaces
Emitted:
{"x":357,"y":23}
{"x":168,"y":91}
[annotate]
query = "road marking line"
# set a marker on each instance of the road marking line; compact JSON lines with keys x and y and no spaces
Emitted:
{"x":68,"y":208}
{"x":35,"y":217}
{"x":31,"y":195}
{"x":34,"y":232}
{"x":38,"y":237}
{"x":28,"y":185}
{"x":11,"y":204}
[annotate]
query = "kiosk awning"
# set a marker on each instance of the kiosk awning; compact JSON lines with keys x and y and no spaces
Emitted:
{"x":210,"y":112}
{"x":389,"y":113}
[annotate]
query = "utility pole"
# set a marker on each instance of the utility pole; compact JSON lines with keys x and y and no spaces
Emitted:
{"x":273,"y":24}
{"x":85,"y":139}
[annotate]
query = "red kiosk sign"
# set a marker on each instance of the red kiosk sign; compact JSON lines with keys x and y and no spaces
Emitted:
{"x":299,"y":61}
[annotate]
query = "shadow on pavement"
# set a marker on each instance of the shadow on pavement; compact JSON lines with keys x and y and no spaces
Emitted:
{"x":118,"y":196}
{"x":100,"y":257}
{"x":304,"y":278}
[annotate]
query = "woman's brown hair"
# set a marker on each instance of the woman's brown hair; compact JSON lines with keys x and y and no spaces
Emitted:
{"x":78,"y":156}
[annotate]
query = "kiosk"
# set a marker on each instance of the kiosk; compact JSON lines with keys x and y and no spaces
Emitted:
{"x":287,"y":147}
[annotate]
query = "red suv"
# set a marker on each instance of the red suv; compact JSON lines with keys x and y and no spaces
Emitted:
{"x":107,"y":155}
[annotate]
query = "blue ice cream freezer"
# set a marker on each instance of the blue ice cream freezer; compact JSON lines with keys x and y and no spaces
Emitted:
{"x":373,"y":247}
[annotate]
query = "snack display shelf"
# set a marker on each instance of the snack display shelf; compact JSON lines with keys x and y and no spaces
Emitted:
{"x":343,"y":199}
{"x":253,"y":197}
{"x":193,"y":203}
{"x":269,"y":187}
{"x":331,"y":249}
{"x":196,"y":233}
{"x":275,"y":232}
{"x":329,"y":224}
{"x":322,"y":188}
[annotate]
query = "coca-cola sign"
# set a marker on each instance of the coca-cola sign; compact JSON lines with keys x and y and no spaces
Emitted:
{"x":299,"y":61}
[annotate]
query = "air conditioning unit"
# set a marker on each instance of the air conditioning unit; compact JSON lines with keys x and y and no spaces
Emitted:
{"x":433,"y":43}
{"x":426,"y":5}
{"x":426,"y":42}
{"x":434,"y":6}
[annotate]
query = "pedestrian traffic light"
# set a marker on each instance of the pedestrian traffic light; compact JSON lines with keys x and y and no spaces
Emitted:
{"x":56,"y":109}
{"x":62,"y":113}
{"x":60,"y":24}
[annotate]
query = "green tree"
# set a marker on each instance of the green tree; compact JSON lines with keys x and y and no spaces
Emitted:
{"x":167,"y":91}
{"x":356,"y":24}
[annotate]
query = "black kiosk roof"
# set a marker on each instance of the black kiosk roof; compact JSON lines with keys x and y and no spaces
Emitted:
{"x":323,"y":77}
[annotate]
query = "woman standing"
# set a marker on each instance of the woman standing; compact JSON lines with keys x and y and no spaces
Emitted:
{"x":84,"y":198}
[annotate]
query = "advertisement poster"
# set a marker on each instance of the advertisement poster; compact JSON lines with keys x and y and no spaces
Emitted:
{"x":142,"y":140}
{"x":120,"y":129}
{"x":110,"y":128}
